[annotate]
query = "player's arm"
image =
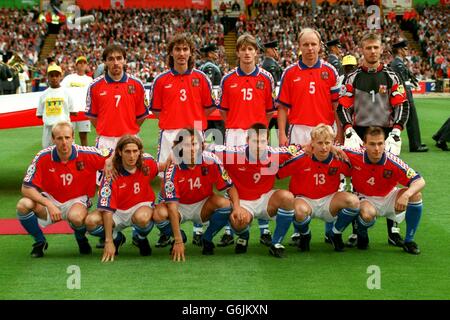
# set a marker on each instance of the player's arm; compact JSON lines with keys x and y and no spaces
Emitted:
{"x":155,"y":103}
{"x":399,"y":102}
{"x":109,"y":249}
{"x":238,"y":212}
{"x":415,"y":187}
{"x":282,"y":119}
{"x":71,"y":105}
{"x":283,"y":101}
{"x":207,"y":96}
{"x":91,"y":107}
{"x":178,"y":246}
{"x":141,"y":105}
{"x":32,"y":193}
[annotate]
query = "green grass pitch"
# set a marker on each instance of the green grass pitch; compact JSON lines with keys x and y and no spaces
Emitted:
{"x":319,"y":274}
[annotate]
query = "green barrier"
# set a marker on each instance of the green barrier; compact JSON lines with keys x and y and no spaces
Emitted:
{"x":19,"y":4}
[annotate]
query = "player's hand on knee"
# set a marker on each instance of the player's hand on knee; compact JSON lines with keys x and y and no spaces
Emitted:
{"x":178,"y":252}
{"x":238,"y":214}
{"x":393,"y":142}
{"x":402,"y":202}
{"x":109,"y":251}
{"x":352,"y":140}
{"x":55,"y":213}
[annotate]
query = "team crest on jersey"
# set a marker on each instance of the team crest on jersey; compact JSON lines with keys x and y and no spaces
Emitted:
{"x":169,"y":187}
{"x":387,"y":173}
{"x":103,"y":152}
{"x":80,"y":165}
{"x":146,"y":102}
{"x":196,"y":82}
{"x":324,"y":75}
{"x":205,"y":171}
{"x":293,"y":150}
{"x":332,"y":171}
{"x":401,"y":89}
{"x":410,"y":173}
{"x":382,"y":89}
{"x":225,"y":175}
{"x":260,"y":84}
{"x":105,"y":192}
{"x":131,"y":89}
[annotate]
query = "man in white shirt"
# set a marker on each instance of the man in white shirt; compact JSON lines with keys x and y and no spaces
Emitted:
{"x":55,"y":104}
{"x":82,"y":81}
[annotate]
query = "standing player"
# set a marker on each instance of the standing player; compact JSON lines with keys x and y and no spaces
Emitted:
{"x":188,"y":192}
{"x":127,"y":200}
{"x":180,"y":98}
{"x":116,"y":103}
{"x":57,"y":186}
{"x":373,"y":95}
{"x":253,"y":168}
{"x":246,"y":98}
{"x":375,"y":175}
{"x":55,"y":104}
{"x":315,"y":183}
{"x":310,"y":90}
{"x":79,"y":79}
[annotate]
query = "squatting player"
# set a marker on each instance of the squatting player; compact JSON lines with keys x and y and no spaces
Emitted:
{"x":375,"y":176}
{"x":126,"y":201}
{"x":315,"y":183}
{"x":252,"y":168}
{"x":57,"y":186}
{"x":189,"y":196}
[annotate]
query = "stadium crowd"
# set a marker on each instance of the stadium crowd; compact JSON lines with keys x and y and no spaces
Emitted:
{"x":145,"y":34}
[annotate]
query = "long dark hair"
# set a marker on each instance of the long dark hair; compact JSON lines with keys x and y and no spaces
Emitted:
{"x":127,"y":139}
{"x":181,"y":38}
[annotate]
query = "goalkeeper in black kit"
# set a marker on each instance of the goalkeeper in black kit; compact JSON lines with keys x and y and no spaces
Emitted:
{"x":373,"y":95}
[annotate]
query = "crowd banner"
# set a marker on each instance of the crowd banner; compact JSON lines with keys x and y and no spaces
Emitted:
{"x":143,"y":4}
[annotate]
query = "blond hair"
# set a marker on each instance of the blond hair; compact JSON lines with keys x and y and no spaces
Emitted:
{"x":370,"y":36}
{"x":322,"y":131}
{"x":61,"y":124}
{"x":309,"y":30}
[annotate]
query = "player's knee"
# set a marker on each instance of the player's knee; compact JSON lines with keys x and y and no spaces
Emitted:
{"x":367,"y":215}
{"x":93,"y":220}
{"x":416,"y":197}
{"x":24,"y":205}
{"x":300,"y":215}
{"x":222,"y":202}
{"x":141,"y":218}
{"x":160,"y":214}
{"x":287,"y":199}
{"x":352,"y":201}
{"x":76,"y":219}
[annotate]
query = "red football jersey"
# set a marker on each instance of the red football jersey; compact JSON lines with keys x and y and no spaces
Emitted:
{"x":116,"y":105}
{"x":378,"y":179}
{"x":181,"y":99}
{"x":309,"y":93}
{"x":246,"y":98}
{"x":66,"y":181}
{"x":313,"y":178}
{"x":129,"y":189}
{"x":251,"y":177}
{"x":187,"y":186}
